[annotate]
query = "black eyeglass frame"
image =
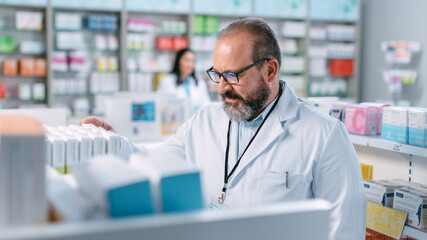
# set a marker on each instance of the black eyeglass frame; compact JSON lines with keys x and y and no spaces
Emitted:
{"x":235,"y":73}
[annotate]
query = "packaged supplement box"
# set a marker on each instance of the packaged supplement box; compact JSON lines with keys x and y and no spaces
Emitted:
{"x":395,"y":124}
{"x":418,"y":126}
{"x":361,"y":119}
{"x":414,"y":203}
{"x":118,"y":189}
{"x":176,"y":184}
{"x":379,"y":107}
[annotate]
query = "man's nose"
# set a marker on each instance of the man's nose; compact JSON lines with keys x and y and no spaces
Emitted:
{"x":223,"y":85}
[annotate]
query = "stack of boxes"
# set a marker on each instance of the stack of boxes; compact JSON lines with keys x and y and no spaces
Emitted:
{"x":406,"y":125}
{"x":395,"y":124}
{"x":401,"y":195}
{"x":109,"y":187}
{"x":70,"y":146}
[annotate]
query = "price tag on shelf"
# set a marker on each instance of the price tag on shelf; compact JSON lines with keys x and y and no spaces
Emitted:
{"x":396,"y":147}
{"x":385,"y":220}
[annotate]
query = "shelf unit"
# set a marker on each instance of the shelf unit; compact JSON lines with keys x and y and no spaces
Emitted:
{"x":334,"y":36}
{"x":293,"y":217}
{"x":23,"y":88}
{"x":379,"y":143}
{"x":92,"y":53}
{"x":276,"y":12}
{"x":407,"y":152}
{"x":150,"y":53}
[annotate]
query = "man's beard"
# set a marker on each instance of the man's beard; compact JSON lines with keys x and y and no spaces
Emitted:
{"x":245,"y":109}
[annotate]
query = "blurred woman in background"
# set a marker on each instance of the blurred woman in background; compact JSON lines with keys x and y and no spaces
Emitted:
{"x":183,"y":83}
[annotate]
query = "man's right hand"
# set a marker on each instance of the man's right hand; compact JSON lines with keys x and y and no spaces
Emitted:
{"x":98,"y":122}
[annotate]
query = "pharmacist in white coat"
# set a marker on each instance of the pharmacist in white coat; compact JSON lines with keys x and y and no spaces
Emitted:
{"x":264,"y":145}
{"x":182,"y":81}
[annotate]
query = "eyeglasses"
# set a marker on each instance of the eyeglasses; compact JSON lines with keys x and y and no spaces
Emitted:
{"x":231,"y":77}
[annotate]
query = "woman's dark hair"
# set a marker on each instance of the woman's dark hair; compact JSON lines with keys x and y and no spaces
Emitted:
{"x":176,"y":70}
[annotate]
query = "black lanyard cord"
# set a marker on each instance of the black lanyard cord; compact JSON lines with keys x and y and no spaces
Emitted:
{"x":228,"y":175}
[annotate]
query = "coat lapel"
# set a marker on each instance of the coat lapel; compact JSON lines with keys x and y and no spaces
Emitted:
{"x":286,"y":109}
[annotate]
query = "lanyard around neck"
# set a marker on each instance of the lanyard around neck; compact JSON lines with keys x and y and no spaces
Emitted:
{"x":227,"y":175}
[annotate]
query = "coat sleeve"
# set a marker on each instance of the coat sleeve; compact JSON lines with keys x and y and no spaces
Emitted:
{"x":338,"y":179}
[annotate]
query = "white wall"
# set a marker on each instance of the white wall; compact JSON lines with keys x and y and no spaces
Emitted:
{"x":392,"y":20}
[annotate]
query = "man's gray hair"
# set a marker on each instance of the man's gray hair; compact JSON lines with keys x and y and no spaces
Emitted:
{"x":265,"y":44}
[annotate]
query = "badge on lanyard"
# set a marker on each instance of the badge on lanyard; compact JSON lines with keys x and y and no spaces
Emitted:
{"x":214,"y":205}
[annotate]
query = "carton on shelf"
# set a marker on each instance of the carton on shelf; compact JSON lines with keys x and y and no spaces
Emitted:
{"x":418,"y":127}
{"x":395,"y":124}
{"x":361,"y":119}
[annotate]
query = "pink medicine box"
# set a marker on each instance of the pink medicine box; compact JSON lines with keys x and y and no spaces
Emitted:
{"x":360,"y":119}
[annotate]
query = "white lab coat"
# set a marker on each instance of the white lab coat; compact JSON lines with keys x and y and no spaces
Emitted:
{"x":313,"y":148}
{"x":198,"y":93}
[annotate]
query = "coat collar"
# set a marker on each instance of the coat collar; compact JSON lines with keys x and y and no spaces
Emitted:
{"x":288,"y":106}
{"x":286,"y":109}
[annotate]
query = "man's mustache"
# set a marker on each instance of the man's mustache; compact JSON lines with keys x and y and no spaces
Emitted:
{"x":231,"y":94}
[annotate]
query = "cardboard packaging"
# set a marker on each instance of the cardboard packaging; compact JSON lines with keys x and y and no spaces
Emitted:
{"x":361,"y":119}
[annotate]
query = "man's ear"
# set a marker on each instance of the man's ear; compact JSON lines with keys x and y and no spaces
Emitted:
{"x":272,"y":69}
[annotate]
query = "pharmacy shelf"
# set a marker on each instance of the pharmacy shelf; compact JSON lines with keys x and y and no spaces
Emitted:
{"x":379,"y":143}
{"x":415,"y":232}
{"x":23,"y":54}
{"x":239,"y":224}
{"x":86,"y":30}
{"x":13,"y":29}
{"x":21,"y":76}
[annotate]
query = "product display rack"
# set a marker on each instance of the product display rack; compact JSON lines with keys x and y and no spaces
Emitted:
{"x":293,"y":48}
{"x":187,"y":11}
{"x":408,"y":152}
{"x":150,"y":50}
{"x":19,"y":88}
{"x":379,"y":143}
{"x":97,"y":58}
{"x":350,"y":83}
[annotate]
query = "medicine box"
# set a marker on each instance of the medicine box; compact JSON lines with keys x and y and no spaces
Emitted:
{"x":175,"y":183}
{"x":380,"y":191}
{"x":375,"y":193}
{"x":57,"y":152}
{"x":118,"y":189}
{"x":361,"y":119}
{"x":395,"y":124}
{"x":366,"y":171}
{"x":413,"y":202}
{"x":29,"y":21}
{"x":10,"y":67}
{"x":379,"y":107}
{"x":418,"y":127}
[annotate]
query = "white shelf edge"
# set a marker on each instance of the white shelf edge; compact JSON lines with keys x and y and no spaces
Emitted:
{"x":378,"y":142}
{"x":415,"y":233}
